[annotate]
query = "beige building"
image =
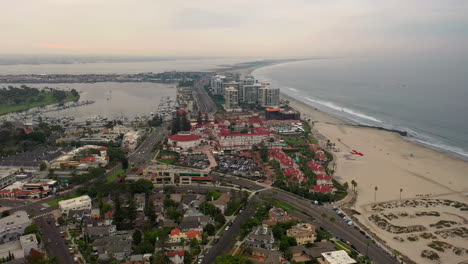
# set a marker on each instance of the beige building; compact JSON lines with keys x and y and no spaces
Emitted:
{"x":79,"y":203}
{"x":268,"y":97}
{"x":304,"y":233}
{"x":336,"y":257}
{"x":231,"y":98}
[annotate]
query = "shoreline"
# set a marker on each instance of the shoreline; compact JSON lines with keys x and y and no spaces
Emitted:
{"x":395,"y":169}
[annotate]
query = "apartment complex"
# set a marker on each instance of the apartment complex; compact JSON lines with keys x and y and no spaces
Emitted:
{"x":79,"y":203}
{"x":268,"y":96}
{"x":12,"y":226}
{"x":304,"y":233}
{"x":246,"y":91}
{"x":7,"y":177}
{"x":231,"y":98}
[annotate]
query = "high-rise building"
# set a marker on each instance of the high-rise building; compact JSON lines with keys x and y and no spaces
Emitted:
{"x":250,"y":93}
{"x":216,"y":84}
{"x":268,"y":97}
{"x":231,"y":98}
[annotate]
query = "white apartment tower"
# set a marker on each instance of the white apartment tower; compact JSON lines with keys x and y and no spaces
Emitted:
{"x":268,"y":97}
{"x":231,"y":98}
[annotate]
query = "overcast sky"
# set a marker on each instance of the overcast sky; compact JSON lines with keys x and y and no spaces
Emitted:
{"x":233,"y":27}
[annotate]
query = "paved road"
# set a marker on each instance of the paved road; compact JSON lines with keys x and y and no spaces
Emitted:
{"x":53,"y":241}
{"x":203,"y":100}
{"x":144,"y":151}
{"x":227,"y":239}
{"x":339,"y":228}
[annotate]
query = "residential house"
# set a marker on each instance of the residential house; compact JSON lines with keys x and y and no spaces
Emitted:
{"x":265,"y":256}
{"x":222,"y":202}
{"x":336,"y":257}
{"x":303,"y":254}
{"x":119,"y":245}
{"x":178,"y":235}
{"x":278,"y":215}
{"x":140,"y":200}
{"x":176,"y":257}
{"x":304,"y":233}
{"x":261,"y":237}
{"x":100,"y":231}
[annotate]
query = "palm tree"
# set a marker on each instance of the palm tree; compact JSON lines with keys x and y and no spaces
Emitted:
{"x":401,"y":190}
{"x":354,"y":184}
{"x":375,"y":193}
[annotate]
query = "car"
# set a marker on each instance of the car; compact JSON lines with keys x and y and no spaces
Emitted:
{"x":43,"y":208}
{"x":227,"y":228}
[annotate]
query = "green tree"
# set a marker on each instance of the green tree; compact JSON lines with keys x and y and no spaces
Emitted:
{"x":263,"y":152}
{"x":199,"y":118}
{"x":137,"y":237}
{"x":210,"y":230}
{"x":220,"y":219}
{"x":141,"y":186}
{"x":43,"y":166}
{"x":124,"y":161}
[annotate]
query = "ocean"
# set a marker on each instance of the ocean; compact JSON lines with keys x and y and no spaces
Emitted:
{"x":424,"y":96}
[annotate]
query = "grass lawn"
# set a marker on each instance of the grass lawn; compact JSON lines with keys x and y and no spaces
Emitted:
{"x":324,"y":233}
{"x":341,"y":245}
{"x":48,"y":99}
{"x":115,"y":175}
{"x":168,"y":153}
{"x":312,"y":139}
{"x":294,"y":141}
{"x":56,"y":201}
{"x":340,"y":195}
{"x":286,"y":206}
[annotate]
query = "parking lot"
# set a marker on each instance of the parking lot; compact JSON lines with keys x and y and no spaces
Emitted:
{"x":199,"y":161}
{"x":238,"y":166}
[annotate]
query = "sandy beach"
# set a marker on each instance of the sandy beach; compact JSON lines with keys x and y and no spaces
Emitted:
{"x":397,"y":167}
{"x":388,"y":165}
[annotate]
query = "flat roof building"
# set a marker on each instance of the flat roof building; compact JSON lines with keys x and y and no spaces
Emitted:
{"x":7,"y":176}
{"x":337,"y":257}
{"x":79,"y":203}
{"x":12,"y":226}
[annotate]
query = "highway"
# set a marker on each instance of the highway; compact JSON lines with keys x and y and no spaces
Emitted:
{"x":203,"y":100}
{"x":144,"y":151}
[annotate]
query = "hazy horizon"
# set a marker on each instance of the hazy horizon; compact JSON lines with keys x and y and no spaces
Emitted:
{"x":240,"y":28}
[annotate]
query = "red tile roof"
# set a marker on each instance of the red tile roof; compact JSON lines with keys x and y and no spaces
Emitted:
{"x":88,"y":159}
{"x":324,"y":177}
{"x":323,"y":188}
{"x":184,"y":137}
{"x":182,"y":111}
{"x":173,"y":254}
{"x":175,"y":232}
{"x":200,"y":178}
{"x":193,"y":233}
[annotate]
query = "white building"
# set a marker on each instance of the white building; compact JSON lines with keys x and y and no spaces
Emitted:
{"x":28,"y":242}
{"x":7,"y":176}
{"x":130,"y":140}
{"x":268,"y":96}
{"x":216,"y":84}
{"x":337,"y":257}
{"x":231,"y":98}
{"x":79,"y":203}
{"x":12,"y":226}
{"x":184,"y":140}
